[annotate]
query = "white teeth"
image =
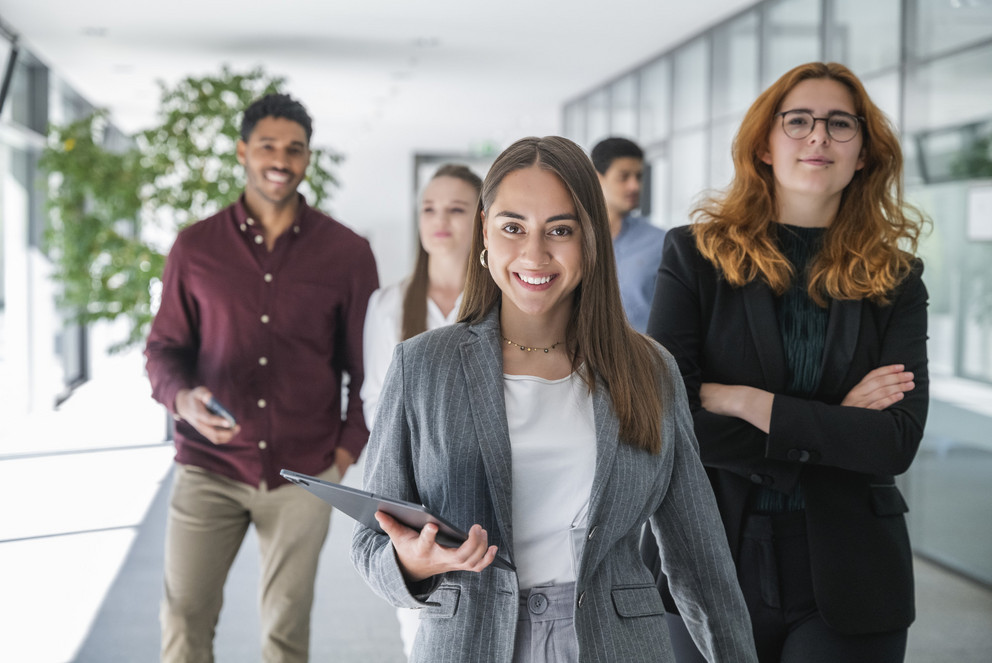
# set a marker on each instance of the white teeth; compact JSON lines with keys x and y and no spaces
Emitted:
{"x":534,"y":280}
{"x":276,"y":177}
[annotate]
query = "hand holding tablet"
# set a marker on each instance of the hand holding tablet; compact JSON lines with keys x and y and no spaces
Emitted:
{"x":362,"y":506}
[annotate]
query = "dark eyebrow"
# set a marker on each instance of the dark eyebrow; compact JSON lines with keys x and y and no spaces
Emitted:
{"x":270,"y":139}
{"x":832,"y":111}
{"x":567,"y":216}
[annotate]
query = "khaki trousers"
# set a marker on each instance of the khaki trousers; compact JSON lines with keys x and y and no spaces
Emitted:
{"x":208,"y":518}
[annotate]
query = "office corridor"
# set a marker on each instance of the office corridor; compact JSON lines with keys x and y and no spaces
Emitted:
{"x":84,"y":495}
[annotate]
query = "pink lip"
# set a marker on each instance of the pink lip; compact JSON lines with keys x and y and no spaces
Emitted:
{"x":817,"y":161}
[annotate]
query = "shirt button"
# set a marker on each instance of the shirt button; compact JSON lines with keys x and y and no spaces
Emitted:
{"x":250,"y":221}
{"x":261,"y":402}
{"x":258,"y":239}
{"x":296,"y":229}
{"x":265,"y":319}
{"x":262,"y":361}
{"x":591,"y":533}
{"x":262,"y":444}
{"x":756,"y":478}
{"x":243,"y":227}
{"x":582,"y":599}
{"x":268,"y":278}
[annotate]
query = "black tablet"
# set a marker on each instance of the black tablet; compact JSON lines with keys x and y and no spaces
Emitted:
{"x":362,"y":505}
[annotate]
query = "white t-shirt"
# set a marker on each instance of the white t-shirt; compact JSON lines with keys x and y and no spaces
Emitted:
{"x":383,"y":326}
{"x":553,"y":447}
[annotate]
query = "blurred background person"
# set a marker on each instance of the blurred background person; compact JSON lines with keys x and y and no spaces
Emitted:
{"x":797,"y":314}
{"x":427,"y":299}
{"x":263,"y":306}
{"x":637,"y":244}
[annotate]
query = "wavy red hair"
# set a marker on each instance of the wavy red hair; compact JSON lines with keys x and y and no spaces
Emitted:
{"x":867,"y":250}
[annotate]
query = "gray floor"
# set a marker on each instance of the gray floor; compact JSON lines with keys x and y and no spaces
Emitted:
{"x":349,"y":622}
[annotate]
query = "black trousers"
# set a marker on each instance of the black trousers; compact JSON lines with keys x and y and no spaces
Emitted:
{"x":775,"y":578}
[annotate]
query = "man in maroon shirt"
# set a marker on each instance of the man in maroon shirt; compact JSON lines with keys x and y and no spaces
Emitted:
{"x":263,"y":306}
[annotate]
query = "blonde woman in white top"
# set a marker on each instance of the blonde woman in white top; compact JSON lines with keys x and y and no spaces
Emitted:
{"x":427,"y":299}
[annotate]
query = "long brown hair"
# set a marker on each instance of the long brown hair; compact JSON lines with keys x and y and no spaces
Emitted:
{"x":867,"y":250}
{"x":415,"y":297}
{"x":597,"y":333}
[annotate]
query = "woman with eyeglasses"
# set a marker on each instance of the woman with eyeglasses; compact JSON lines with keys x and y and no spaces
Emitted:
{"x":795,"y":309}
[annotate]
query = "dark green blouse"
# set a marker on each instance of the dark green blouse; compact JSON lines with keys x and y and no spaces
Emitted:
{"x":803,"y":328}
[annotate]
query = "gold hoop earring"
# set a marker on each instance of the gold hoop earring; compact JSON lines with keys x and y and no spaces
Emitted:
{"x":482,"y":258}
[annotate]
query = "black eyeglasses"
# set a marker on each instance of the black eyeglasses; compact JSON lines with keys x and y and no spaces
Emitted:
{"x":841,"y":126}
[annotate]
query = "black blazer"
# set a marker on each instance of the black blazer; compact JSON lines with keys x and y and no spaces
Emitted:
{"x":845,"y":457}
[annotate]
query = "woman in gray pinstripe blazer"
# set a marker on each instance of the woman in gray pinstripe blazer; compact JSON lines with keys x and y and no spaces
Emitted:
{"x":483,"y":423}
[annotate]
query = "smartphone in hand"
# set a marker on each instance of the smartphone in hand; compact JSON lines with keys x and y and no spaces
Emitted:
{"x":221,"y":411}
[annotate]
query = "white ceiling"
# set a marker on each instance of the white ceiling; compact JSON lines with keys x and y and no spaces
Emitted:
{"x":382,"y":79}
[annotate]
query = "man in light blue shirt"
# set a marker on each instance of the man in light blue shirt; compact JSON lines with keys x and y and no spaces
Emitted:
{"x":636,"y":243}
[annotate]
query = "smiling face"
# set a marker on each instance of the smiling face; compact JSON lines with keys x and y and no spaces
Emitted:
{"x":815,"y":168}
{"x":447,"y":209}
{"x":534,"y":239}
{"x":275,"y":158}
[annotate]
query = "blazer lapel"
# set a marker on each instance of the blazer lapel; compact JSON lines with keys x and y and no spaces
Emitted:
{"x":482,"y":361}
{"x":607,"y":442}
{"x":760,"y":307}
{"x":838,"y":348}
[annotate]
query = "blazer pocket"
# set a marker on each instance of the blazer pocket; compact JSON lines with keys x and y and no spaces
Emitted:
{"x":886,"y":500}
{"x":637,"y":601}
{"x":442,"y":604}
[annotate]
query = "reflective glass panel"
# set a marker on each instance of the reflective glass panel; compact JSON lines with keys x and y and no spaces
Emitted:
{"x":655,"y":84}
{"x":659,"y":208}
{"x":948,"y":513}
{"x":735,"y":66}
{"x":950,"y":24}
{"x":952,"y":91}
{"x":865,"y":35}
{"x":597,"y":116}
{"x":623,"y":107}
{"x":721,"y":161}
{"x":575,"y":121}
{"x":688,"y":173}
{"x":691,"y":84}
{"x":792,"y":36}
{"x":884,"y":91}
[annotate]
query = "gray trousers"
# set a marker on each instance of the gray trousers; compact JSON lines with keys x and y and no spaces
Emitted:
{"x":546,"y":627}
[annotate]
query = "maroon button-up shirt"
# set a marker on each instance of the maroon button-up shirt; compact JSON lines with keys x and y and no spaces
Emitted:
{"x":270,"y":335}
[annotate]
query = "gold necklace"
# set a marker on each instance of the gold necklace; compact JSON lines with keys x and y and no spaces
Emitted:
{"x":528,"y":349}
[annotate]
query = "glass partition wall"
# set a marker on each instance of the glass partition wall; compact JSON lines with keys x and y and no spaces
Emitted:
{"x":43,"y":352}
{"x":928,"y":65}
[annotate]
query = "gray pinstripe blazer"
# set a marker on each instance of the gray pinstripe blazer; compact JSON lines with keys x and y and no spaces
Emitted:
{"x":440,"y":438}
